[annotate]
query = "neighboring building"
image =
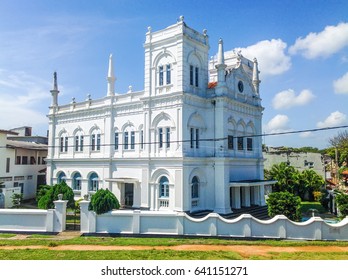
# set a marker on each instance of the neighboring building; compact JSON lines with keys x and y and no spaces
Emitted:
{"x":22,"y":162}
{"x":184,"y":143}
{"x":300,"y":160}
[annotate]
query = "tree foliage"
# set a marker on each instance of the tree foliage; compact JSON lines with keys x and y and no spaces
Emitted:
{"x":340,"y":142}
{"x":284,"y":203}
{"x":51,"y":194}
{"x":291,"y":180}
{"x":103,"y":201}
{"x":342,"y":203}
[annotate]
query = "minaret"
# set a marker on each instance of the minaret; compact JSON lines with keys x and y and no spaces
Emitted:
{"x":221,"y":66}
{"x":256,"y":80}
{"x":111,"y":78}
{"x":55,"y":91}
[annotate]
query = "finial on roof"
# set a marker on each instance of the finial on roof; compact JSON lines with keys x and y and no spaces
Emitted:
{"x":55,"y":83}
{"x":256,"y":80}
{"x":55,"y":90}
{"x":111,"y":78}
{"x":221,"y":57}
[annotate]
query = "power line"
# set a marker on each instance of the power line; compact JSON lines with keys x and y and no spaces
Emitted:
{"x":203,"y":139}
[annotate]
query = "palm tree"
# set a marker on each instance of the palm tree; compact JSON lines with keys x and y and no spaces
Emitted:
{"x":286,"y":176}
{"x":311,"y":181}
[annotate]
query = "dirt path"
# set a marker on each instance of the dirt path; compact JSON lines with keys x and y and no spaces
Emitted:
{"x":244,"y":250}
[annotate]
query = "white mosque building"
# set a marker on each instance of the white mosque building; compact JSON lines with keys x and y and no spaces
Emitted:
{"x":190,"y":141}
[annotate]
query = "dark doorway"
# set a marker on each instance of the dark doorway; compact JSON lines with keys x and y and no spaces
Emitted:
{"x":128,"y":194}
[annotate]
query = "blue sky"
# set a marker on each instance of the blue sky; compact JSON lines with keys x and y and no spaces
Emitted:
{"x":301,"y":46}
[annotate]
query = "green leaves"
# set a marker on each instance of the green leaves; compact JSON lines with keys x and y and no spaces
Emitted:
{"x":51,"y":194}
{"x":103,"y":201}
{"x":284,"y":203}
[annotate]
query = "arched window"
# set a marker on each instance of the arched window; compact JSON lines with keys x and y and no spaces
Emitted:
{"x":61,"y":177}
{"x":95,"y":140}
{"x":76,"y":183}
{"x":93,"y":182}
{"x":79,"y":141}
{"x":195,"y":187}
{"x":164,"y":186}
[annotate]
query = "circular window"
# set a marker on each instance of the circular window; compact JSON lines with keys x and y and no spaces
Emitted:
{"x":240,"y":86}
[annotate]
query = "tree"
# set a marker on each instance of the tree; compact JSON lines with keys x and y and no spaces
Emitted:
{"x":103,"y":201}
{"x":286,"y":176}
{"x":16,"y":199}
{"x":342,"y":203}
{"x":311,"y":182}
{"x":340,"y":142}
{"x":46,"y":201}
{"x":284,"y":203}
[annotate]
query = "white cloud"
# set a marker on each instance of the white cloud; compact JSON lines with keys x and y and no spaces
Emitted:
{"x":341,"y":85}
{"x":21,"y":95}
{"x":334,"y":119}
{"x":323,"y":44}
{"x":307,"y":134}
{"x":287,"y":99}
{"x":277,"y":124}
{"x":270,"y":55}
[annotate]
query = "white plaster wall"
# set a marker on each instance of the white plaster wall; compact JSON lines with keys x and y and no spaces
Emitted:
{"x":151,"y":222}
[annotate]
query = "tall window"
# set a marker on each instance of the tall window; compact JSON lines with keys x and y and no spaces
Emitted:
{"x":168,"y":137}
{"x":126,"y":136}
{"x":230,"y":142}
{"x":196,"y":76}
{"x":76,"y":184}
{"x":249,"y":144}
{"x":168,"y":74}
{"x":98,"y":142}
{"x":195,"y":187}
{"x":132,"y":140}
{"x":160,"y":137}
{"x":78,"y":143}
{"x":194,"y":138}
{"x":116,"y":140}
{"x":164,"y":186}
{"x":63,"y":144}
{"x":240,"y":143}
{"x":95,"y":141}
{"x":161,"y":76}
{"x":191,"y":75}
{"x":93,"y":182}
{"x":7,"y":165}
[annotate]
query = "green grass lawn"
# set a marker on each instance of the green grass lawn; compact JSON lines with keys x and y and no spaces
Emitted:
{"x":152,"y":254}
{"x":307,"y":205}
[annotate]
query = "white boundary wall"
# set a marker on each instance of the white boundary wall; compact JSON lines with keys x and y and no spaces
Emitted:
{"x":34,"y":220}
{"x":178,"y":223}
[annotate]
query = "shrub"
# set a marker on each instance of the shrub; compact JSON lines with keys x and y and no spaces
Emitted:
{"x":103,"y":201}
{"x":41,"y":191}
{"x":284,"y":203}
{"x":46,"y":201}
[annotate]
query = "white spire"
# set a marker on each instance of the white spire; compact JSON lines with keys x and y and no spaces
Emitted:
{"x":111,"y":78}
{"x":55,"y":90}
{"x":221,"y":58}
{"x":256,"y":80}
{"x":221,"y":66}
